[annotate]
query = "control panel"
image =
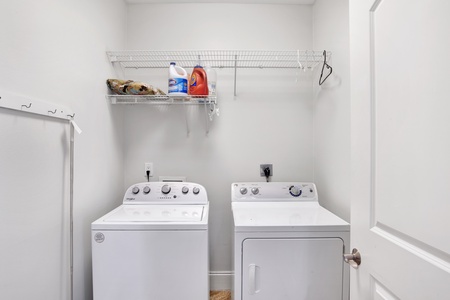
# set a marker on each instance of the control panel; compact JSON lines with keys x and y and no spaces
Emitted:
{"x":165,"y":192}
{"x":274,"y":191}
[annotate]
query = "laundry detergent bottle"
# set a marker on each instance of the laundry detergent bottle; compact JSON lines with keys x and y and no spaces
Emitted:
{"x":178,"y":81}
{"x":198,"y":83}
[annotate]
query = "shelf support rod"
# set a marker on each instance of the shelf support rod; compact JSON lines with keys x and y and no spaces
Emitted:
{"x":206,"y":116}
{"x":186,"y":117}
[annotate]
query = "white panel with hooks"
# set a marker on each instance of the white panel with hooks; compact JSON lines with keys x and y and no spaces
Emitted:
{"x":30,"y":105}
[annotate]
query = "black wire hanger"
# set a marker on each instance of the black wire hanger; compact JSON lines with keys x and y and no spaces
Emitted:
{"x":323,"y":66}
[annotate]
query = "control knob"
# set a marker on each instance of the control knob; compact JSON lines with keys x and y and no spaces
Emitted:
{"x":185,"y":190}
{"x":165,"y":189}
{"x":196,"y":190}
{"x":295,"y":191}
{"x":135,"y":190}
{"x":243,"y":191}
{"x":146,"y":189}
{"x":255,"y":191}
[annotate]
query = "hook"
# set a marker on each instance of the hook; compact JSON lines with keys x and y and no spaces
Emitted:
{"x":27,"y":106}
{"x":323,"y":66}
{"x":53,"y":112}
{"x":71,"y":116}
{"x":300,"y":66}
{"x":298,"y":60}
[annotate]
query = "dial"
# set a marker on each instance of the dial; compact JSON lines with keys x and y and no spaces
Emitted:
{"x":165,"y":189}
{"x":255,"y":191}
{"x":185,"y":190}
{"x":135,"y":190}
{"x":146,"y":189}
{"x":243,"y":191}
{"x":295,"y":191}
{"x":196,"y":190}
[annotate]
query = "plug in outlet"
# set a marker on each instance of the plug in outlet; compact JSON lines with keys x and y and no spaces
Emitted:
{"x":266,"y":171}
{"x":148,"y":168}
{"x":265,"y":168}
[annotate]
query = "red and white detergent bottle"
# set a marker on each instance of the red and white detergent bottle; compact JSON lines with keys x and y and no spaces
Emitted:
{"x":198,"y":83}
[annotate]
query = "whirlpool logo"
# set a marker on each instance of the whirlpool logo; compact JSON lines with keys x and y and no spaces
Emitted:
{"x":99,"y":237}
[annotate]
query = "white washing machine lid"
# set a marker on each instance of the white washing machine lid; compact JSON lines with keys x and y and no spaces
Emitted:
{"x":285,"y":216}
{"x":168,"y":217}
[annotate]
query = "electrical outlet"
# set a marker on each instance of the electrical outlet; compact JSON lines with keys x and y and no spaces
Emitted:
{"x":262,"y":167}
{"x":148,"y":167}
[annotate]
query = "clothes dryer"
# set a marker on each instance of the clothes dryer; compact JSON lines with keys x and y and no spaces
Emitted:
{"x":154,"y":245}
{"x":285,"y":245}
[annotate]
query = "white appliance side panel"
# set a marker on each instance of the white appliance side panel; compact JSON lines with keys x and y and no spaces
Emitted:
{"x":143,"y":265}
{"x":288,"y":269}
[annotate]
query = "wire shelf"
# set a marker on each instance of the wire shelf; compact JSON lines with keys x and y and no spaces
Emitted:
{"x":161,"y":99}
{"x":208,"y":102}
{"x":231,"y":59}
{"x":288,"y":59}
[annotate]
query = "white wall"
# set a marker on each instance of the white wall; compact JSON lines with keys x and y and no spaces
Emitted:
{"x":55,"y":51}
{"x":270,"y":121}
{"x":332,"y":107}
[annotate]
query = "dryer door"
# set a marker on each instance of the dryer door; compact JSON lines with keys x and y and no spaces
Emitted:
{"x":288,"y":269}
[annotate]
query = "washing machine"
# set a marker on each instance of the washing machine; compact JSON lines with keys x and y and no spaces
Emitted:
{"x":285,"y":245}
{"x":154,"y":246}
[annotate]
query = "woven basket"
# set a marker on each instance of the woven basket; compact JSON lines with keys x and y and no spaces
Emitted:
{"x":220,"y":295}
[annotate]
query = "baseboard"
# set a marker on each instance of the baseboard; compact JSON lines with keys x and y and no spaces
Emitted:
{"x":220,"y":280}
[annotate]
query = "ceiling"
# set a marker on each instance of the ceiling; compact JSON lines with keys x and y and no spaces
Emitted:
{"x":226,"y":1}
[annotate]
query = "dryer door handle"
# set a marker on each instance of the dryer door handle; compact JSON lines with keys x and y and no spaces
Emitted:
{"x":253,"y":279}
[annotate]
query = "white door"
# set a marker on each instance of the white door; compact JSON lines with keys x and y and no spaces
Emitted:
{"x":292,"y":269}
{"x":400,"y":78}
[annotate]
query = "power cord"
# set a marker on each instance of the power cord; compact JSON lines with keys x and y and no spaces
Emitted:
{"x":267,"y":173}
{"x":148,"y":175}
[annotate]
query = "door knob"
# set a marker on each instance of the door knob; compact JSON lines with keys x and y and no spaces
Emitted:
{"x":353,"y":259}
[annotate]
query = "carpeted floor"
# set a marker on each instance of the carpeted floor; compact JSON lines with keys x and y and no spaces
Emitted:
{"x":220,"y":295}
